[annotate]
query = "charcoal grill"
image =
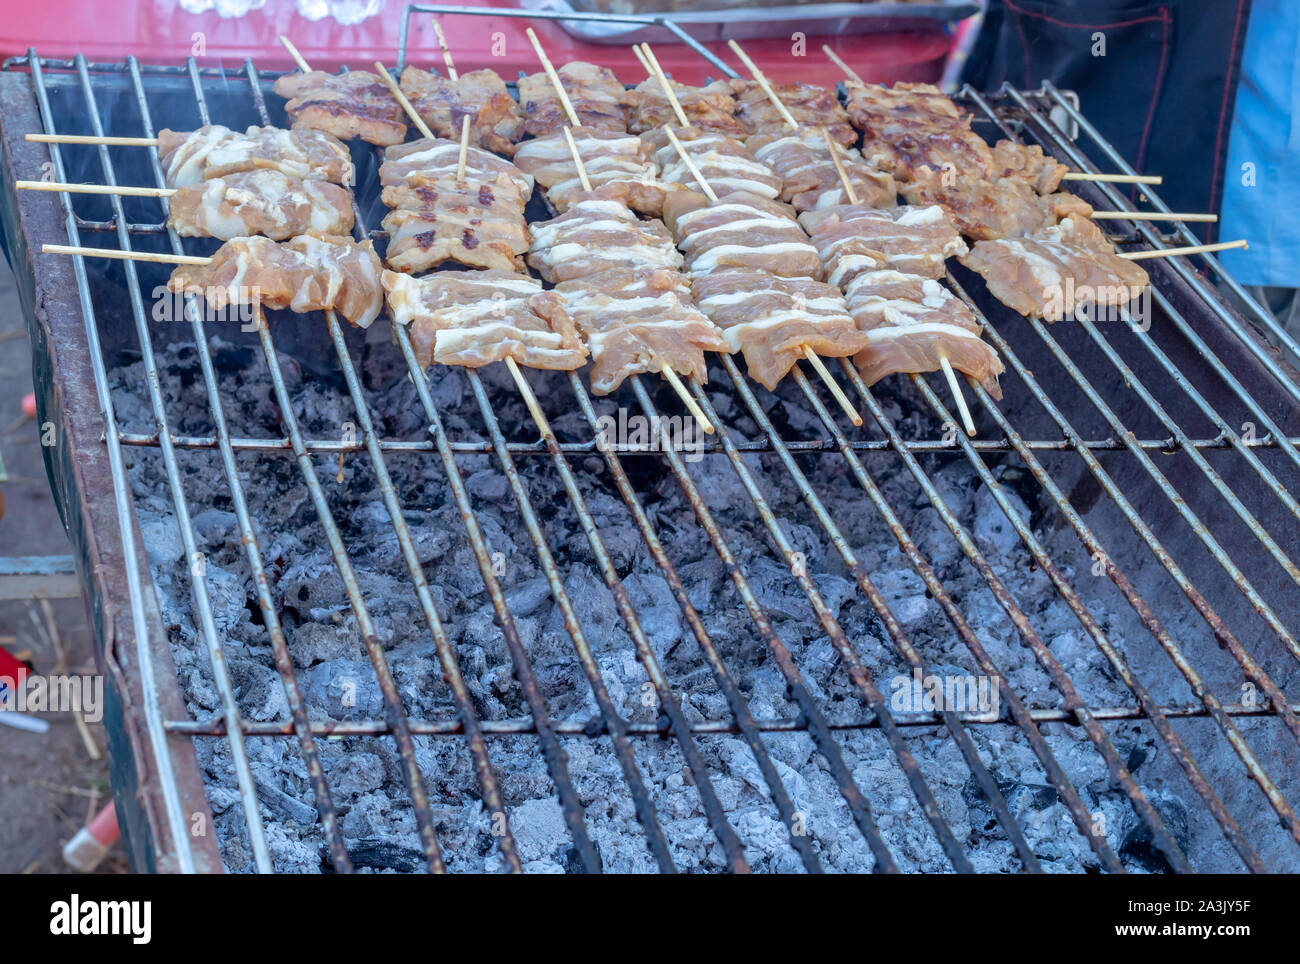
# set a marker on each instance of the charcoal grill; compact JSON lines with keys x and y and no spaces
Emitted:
{"x":1161,"y":461}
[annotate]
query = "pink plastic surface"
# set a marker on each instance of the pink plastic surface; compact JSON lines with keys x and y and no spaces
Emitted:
{"x":160,"y":31}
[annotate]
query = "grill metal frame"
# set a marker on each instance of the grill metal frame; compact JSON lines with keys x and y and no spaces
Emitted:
{"x":1185,"y":299}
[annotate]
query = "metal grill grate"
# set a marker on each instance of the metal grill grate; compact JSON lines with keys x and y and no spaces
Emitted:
{"x":1180,"y":404}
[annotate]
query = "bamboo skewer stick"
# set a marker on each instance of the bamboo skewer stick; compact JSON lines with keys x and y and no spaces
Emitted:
{"x":117,"y":255}
{"x":671,"y":376}
{"x":664,"y":82}
{"x":446,"y":51}
{"x":831,"y":146}
{"x":464,"y":148}
{"x":1150,"y":216}
{"x":554,"y":78}
{"x":838,"y":61}
{"x":407,"y":106}
{"x":577,"y":160}
{"x":849,"y":72}
{"x":112,"y":189}
{"x":92,"y":139}
{"x":763,"y":83}
{"x":293,"y":52}
{"x":1191,"y":249}
{"x":526,"y":390}
{"x":1114,"y":178}
{"x":822,"y":371}
{"x":636,"y":49}
{"x":690,"y":165}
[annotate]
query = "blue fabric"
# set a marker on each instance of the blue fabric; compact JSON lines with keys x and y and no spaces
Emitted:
{"x":1266,"y":134}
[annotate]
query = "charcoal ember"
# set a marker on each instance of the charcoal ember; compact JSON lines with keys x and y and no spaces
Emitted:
{"x":337,"y":680}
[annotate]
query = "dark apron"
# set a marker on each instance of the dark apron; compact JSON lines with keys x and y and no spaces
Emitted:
{"x":1162,"y":94}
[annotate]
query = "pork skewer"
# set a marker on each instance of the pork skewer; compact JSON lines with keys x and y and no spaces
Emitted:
{"x":262,"y":202}
{"x":406,"y":292}
{"x":1069,"y":176}
{"x":308,"y":273}
{"x":347,"y":105}
{"x":670,"y":375}
{"x":851,"y":194}
{"x":652,"y":62}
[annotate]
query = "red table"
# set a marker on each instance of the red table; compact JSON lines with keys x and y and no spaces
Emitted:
{"x":159,"y":31}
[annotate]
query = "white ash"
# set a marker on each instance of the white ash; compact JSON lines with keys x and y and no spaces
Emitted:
{"x":364,"y":773}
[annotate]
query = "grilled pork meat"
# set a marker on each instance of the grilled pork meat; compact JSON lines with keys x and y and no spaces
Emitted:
{"x":772,"y":319}
{"x":808,"y":176}
{"x":596,"y":94}
{"x":309,"y":273}
{"x":348,"y":105}
{"x":740,"y":231}
{"x":639,"y":320}
{"x":496,"y":122}
{"x":259,"y":202}
{"x":853,"y":237}
{"x":474,"y":318}
{"x":189,"y":157}
{"x":599,"y":234}
{"x":1053,"y":272}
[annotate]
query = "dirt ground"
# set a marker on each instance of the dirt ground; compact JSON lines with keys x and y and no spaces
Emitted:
{"x":51,"y":783}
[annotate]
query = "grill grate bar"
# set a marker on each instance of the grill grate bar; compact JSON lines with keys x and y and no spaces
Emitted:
{"x":283,"y":659}
{"x":951,"y":720}
{"x":504,"y":728}
{"x":860,"y":676}
{"x":541,"y":722}
{"x":744,"y":720}
{"x":446,"y":654}
{"x":816,"y":723}
{"x":717,"y":818}
{"x":177,"y":825}
{"x":392,"y":699}
{"x":1212,"y":705}
{"x":1070,"y":795}
{"x":798,"y":446}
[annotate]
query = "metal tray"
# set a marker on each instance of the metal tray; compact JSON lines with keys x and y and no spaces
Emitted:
{"x":709,"y":26}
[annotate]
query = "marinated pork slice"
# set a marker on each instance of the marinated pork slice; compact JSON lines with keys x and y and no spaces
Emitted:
{"x":1053,"y":274}
{"x":639,"y":320}
{"x":1028,"y":163}
{"x":710,"y":108}
{"x":435,"y":159}
{"x":988,"y":210}
{"x":474,"y":318}
{"x":309,"y":273}
{"x":475,"y":223}
{"x":598,"y":234}
{"x":609,"y":157}
{"x":911,"y":323}
{"x":596,"y":94}
{"x":348,"y":105}
{"x":741,"y":230}
{"x":189,"y":157}
{"x":725,"y":163}
{"x":808,"y":176}
{"x":259,"y":202}
{"x":910,"y":127}
{"x":771,"y":320}
{"x":496,"y":122}
{"x":810,"y":106}
{"x":853,"y":238}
